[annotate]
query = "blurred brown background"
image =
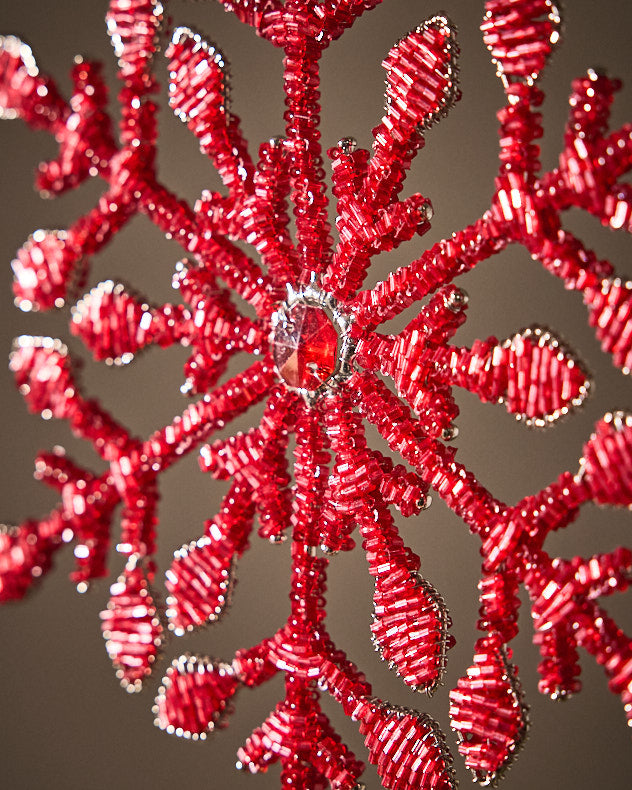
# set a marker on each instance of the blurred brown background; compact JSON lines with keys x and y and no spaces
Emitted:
{"x":64,"y":722}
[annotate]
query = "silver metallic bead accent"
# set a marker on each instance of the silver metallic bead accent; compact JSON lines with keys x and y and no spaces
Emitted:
{"x":347,"y":144}
{"x":456,"y":300}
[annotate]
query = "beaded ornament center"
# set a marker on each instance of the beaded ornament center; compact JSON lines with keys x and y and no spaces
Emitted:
{"x":311,"y":345}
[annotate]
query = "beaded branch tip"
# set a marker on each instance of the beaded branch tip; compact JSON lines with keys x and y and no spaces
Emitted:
{"x":319,"y":370}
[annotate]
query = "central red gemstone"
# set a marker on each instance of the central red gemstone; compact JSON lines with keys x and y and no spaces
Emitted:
{"x":305,"y":346}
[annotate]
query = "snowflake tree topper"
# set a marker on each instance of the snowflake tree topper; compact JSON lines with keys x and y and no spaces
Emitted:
{"x":320,"y":372}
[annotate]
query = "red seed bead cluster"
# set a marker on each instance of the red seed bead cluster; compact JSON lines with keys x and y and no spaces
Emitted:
{"x":487,"y":711}
{"x":194,"y":697}
{"x":131,"y":627}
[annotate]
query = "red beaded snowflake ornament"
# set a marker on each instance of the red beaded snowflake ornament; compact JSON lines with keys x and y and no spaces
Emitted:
{"x":319,"y":372}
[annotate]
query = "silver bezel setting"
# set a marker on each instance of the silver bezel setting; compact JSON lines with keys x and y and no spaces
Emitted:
{"x":313,"y":295}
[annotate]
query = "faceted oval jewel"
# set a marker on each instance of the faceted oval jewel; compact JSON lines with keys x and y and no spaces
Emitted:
{"x":305,"y":347}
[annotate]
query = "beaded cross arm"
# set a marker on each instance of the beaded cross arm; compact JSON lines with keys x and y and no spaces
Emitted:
{"x":319,"y":370}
